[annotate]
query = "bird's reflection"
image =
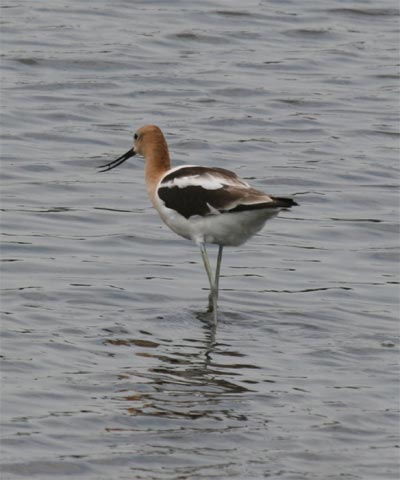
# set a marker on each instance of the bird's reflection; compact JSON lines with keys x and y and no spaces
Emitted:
{"x":185,"y":379}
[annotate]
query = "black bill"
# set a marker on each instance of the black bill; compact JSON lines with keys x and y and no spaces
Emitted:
{"x":115,"y":163}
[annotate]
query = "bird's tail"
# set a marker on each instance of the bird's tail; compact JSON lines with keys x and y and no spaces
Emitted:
{"x":284,"y":202}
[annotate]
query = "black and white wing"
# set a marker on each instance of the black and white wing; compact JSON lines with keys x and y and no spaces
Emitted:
{"x":202,"y":191}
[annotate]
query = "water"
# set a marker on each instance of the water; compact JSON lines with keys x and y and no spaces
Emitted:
{"x":109,"y":370}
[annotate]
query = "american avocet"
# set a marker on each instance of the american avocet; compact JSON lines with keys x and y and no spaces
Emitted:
{"x":202,"y":204}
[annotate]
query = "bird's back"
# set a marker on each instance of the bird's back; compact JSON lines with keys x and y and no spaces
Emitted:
{"x":214,"y":205}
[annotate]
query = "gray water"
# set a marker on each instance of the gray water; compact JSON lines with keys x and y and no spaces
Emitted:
{"x":110,"y":369}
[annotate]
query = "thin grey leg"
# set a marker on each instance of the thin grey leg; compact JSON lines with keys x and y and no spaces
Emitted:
{"x":212,"y":299}
{"x":218,"y":269}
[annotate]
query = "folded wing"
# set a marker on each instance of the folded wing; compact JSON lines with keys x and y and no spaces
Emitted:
{"x":203,"y":191}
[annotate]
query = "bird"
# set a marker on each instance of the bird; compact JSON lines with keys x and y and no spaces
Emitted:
{"x":207,"y":205}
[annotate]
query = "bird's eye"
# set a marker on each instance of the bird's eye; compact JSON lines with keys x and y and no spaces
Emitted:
{"x":136,"y":136}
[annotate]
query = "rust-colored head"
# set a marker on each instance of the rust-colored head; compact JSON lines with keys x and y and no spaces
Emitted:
{"x":149,"y":142}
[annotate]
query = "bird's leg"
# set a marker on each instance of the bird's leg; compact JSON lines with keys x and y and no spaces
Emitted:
{"x":218,"y":269}
{"x":212,"y":299}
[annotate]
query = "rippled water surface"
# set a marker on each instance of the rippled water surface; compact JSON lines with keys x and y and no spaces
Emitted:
{"x":110,"y":369}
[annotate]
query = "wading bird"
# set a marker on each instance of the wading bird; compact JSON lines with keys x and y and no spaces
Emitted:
{"x":202,"y":204}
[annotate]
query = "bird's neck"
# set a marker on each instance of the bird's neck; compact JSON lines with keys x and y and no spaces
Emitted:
{"x":157,"y":163}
